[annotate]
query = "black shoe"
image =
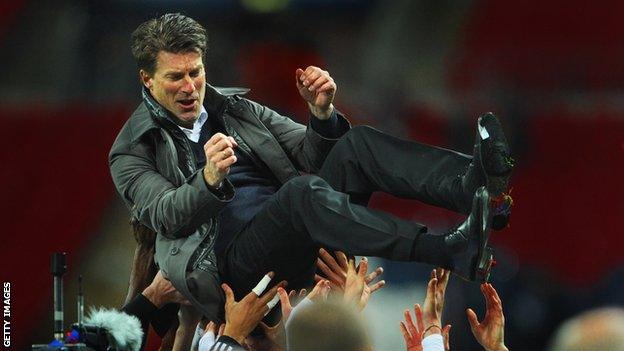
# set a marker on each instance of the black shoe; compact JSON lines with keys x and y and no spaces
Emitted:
{"x":467,"y":244}
{"x":492,"y":155}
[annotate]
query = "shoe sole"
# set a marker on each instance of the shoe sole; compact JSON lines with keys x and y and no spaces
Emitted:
{"x":496,"y":185}
{"x":485,"y":266}
{"x":482,"y":260}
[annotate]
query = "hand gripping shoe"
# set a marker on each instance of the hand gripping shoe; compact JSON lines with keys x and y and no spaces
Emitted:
{"x":492,"y":155}
{"x":471,"y":258}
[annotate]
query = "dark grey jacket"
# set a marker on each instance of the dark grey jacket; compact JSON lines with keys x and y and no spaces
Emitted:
{"x":153,"y":168}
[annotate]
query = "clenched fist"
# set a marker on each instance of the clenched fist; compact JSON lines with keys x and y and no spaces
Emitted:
{"x":219,"y":151}
{"x":317,"y":88}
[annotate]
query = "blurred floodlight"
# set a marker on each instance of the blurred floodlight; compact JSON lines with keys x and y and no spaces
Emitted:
{"x":265,"y":6}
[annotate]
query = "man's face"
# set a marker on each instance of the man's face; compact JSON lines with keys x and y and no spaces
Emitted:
{"x":178,"y":84}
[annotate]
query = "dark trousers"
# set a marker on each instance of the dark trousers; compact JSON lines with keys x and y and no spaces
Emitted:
{"x":328,"y":210}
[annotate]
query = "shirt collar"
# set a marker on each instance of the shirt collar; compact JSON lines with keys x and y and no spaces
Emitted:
{"x":193,"y":134}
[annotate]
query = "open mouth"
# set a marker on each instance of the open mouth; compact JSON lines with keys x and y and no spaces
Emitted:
{"x":187,"y":103}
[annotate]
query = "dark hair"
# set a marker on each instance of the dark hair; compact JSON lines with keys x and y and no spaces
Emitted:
{"x":171,"y":32}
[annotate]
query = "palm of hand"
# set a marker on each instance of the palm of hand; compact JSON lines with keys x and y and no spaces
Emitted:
{"x":366,"y":294}
{"x":490,"y":332}
{"x":417,"y":346}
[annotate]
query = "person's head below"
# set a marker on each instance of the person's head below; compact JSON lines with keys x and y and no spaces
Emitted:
{"x":327,"y":326}
{"x":169,"y":52}
{"x":596,"y":330}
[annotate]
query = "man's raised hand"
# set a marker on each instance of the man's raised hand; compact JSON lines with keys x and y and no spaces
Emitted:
{"x":219,"y":151}
{"x":317,"y":88}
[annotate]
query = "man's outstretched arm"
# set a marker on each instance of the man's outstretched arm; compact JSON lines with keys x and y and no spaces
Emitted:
{"x":307,"y":146}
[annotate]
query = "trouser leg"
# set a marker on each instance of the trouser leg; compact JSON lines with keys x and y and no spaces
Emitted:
{"x":307,"y":213}
{"x":366,"y":160}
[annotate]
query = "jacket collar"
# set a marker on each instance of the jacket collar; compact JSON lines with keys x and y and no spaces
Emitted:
{"x":155,"y":115}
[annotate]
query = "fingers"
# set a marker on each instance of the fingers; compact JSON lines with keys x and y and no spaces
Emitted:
{"x":225,"y":164}
{"x":285,"y":301}
{"x":363,"y":268}
{"x":273,"y":301}
{"x":431,"y":288}
{"x":406,"y":335}
{"x":221,"y":330}
{"x":298,"y":80}
{"x":351,"y":266}
{"x":220,"y":139}
{"x":430,"y":297}
{"x":446,"y":334}
{"x":302,"y":293}
{"x":443,"y":276}
{"x":338,"y":285}
{"x":310,"y":74}
{"x":314,"y":78}
{"x":494,"y":295}
{"x":411,"y":328}
{"x":419,"y":317}
{"x":374,"y":274}
{"x":219,"y":147}
{"x":472,"y":318}
{"x":329,"y":260}
{"x":219,"y":151}
{"x":322,"y":80}
{"x":329,"y":272}
{"x":380,"y":284}
{"x":211,"y":328}
{"x":263,"y":283}
{"x":321,"y":290}
{"x":325,"y":290}
{"x":328,"y":86}
{"x":486,"y":295}
{"x":342,"y":260}
{"x":493,"y":302}
{"x":229,"y":294}
{"x":269,"y":295}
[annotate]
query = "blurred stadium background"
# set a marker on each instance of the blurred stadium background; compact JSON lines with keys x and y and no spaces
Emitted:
{"x":424,"y":70}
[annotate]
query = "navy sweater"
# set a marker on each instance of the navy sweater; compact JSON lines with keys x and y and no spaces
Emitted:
{"x":252,"y":184}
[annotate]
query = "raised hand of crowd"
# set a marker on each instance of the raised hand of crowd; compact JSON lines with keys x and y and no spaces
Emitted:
{"x":427,"y":334}
{"x":344,"y":277}
{"x":490,"y":331}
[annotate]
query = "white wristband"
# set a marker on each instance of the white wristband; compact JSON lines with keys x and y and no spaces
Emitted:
{"x":433,"y":342}
{"x":206,"y":341}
